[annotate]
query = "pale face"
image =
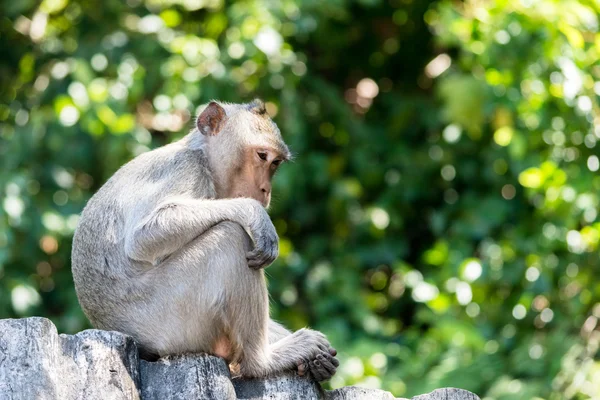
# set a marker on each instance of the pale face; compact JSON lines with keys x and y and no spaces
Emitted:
{"x":252,"y":178}
{"x":245,"y":150}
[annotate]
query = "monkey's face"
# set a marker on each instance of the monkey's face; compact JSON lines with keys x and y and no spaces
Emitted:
{"x":252,"y":177}
{"x":245,"y":148}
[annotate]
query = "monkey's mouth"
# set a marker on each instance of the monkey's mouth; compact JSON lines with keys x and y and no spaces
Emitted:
{"x":264,"y":202}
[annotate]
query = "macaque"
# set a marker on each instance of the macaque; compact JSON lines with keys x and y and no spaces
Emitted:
{"x":171,"y":249}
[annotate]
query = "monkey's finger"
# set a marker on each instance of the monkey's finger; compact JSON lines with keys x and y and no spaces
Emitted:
{"x":252,"y":255}
{"x":332,"y":351}
{"x":259,"y":257}
{"x":259,"y":264}
{"x":255,"y":260}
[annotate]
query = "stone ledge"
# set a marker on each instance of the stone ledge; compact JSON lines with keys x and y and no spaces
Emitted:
{"x":37,"y":362}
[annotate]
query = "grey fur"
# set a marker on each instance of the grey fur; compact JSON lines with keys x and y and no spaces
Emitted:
{"x":159,"y":256}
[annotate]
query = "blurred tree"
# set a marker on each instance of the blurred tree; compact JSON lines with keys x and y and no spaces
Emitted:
{"x":440,"y":222}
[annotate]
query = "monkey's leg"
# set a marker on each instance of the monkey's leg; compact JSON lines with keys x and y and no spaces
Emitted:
{"x":246,"y":310}
{"x":322,"y":368}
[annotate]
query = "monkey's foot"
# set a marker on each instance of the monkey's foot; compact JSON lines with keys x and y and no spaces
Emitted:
{"x":322,"y":367}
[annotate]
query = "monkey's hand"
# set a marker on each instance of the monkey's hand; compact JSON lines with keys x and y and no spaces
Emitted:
{"x":264,"y":235}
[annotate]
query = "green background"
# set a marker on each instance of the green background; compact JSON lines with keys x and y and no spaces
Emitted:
{"x":440,"y":223}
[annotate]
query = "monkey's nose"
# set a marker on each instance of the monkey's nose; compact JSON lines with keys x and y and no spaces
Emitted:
{"x":265,"y":189}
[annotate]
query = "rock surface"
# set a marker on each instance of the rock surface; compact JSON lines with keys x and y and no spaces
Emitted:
{"x":186,"y":377}
{"x":38,"y":363}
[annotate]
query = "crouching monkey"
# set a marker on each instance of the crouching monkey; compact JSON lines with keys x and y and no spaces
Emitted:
{"x":171,"y":249}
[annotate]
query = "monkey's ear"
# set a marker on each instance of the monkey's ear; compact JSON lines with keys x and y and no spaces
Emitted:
{"x":257,"y":106}
{"x":211,"y":120}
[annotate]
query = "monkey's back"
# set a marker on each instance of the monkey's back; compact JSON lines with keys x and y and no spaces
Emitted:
{"x":106,"y":279}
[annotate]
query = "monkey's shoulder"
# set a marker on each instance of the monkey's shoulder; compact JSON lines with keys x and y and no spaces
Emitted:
{"x":170,"y":163}
{"x":146,"y":180}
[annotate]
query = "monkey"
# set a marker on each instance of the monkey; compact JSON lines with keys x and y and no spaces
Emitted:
{"x":171,"y":250}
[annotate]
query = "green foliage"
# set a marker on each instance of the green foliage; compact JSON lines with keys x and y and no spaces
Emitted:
{"x":440,"y":222}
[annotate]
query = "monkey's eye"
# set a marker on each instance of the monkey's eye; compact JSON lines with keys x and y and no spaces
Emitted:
{"x":276,"y":162}
{"x":262,"y":156}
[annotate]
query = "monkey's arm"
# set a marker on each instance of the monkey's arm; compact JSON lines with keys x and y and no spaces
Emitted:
{"x":175,"y":222}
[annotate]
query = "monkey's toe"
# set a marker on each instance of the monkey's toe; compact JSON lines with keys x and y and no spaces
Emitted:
{"x":332,"y":359}
{"x":323,"y":367}
{"x":319,"y":371}
{"x":302,"y":368}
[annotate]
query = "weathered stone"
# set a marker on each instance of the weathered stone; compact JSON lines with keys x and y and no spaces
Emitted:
{"x":106,"y":362}
{"x":358,"y":393}
{"x":283,"y":387}
{"x":186,"y":377}
{"x":37,"y":363}
{"x":447,"y":394}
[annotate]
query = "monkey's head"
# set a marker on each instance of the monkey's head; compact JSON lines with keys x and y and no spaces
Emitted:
{"x":244,"y":148}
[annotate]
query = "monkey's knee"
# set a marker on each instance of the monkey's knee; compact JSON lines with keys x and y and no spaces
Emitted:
{"x":223,"y":249}
{"x":231,"y":235}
